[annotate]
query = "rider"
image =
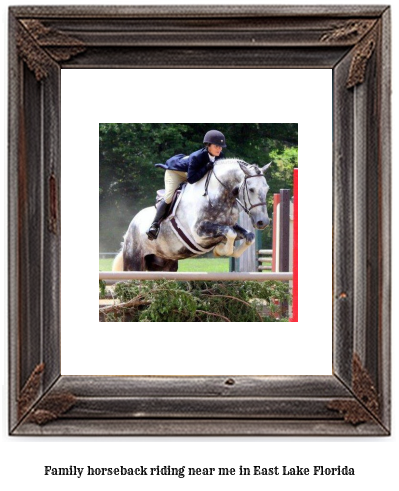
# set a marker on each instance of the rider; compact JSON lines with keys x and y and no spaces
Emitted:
{"x":189,"y":168}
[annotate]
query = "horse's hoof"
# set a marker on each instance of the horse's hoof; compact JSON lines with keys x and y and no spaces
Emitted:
{"x":250,"y":238}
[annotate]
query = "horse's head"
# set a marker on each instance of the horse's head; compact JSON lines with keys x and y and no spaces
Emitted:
{"x":245,"y":184}
{"x":253,"y":192}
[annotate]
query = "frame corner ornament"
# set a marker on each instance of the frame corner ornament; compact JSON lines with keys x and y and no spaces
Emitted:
{"x":361,"y":56}
{"x":51,"y":407}
{"x":351,"y":31}
{"x":39,"y":46}
{"x":366,"y":406}
{"x":30,"y":390}
{"x":364,"y":388}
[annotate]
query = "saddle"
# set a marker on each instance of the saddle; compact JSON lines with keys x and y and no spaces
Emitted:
{"x":182,"y":234}
{"x":161,"y":194}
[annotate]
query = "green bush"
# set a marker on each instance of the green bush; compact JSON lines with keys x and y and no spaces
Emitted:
{"x":102,"y":289}
{"x":200,"y":301}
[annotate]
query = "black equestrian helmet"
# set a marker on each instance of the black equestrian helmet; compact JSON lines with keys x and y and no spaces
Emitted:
{"x":215,"y":137}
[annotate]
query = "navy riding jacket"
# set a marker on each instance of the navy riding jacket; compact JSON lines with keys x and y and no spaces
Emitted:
{"x":194,"y":164}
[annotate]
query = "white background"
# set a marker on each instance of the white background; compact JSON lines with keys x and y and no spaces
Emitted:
{"x":23,"y":459}
{"x":302,"y":348}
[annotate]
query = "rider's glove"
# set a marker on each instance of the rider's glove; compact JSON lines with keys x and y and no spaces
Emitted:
{"x":209,"y":165}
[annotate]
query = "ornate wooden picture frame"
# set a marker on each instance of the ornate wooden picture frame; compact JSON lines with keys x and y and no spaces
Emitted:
{"x":352,"y":41}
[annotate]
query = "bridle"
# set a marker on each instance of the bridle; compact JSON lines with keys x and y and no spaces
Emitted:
{"x":246,"y":195}
{"x":247,"y":200}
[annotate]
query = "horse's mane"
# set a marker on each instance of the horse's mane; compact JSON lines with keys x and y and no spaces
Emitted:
{"x":253,"y":167}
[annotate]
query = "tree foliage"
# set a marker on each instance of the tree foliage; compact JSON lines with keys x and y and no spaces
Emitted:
{"x":128,"y":152}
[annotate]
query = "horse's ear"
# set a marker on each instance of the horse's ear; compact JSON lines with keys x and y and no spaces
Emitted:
{"x":264,"y":169}
{"x":245,"y":169}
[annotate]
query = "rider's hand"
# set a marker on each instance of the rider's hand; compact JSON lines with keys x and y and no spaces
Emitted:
{"x":209,"y":165}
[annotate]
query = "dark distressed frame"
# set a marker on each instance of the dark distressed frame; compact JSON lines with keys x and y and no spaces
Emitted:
{"x":353,"y":41}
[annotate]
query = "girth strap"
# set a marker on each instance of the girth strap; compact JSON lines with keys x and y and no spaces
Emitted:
{"x":182,"y":234}
{"x":185,"y":237}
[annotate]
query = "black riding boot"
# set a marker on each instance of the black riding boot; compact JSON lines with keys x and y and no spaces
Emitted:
{"x":153,"y":231}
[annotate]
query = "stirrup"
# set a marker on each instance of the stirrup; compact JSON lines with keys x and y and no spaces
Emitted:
{"x":153,"y":231}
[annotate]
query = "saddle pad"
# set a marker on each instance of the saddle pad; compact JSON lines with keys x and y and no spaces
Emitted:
{"x":161,"y":194}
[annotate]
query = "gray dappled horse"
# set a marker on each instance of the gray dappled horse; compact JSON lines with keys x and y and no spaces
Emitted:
{"x":205,"y":218}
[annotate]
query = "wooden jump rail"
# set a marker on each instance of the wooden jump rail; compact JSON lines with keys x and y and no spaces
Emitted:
{"x":265,"y":252}
{"x":113,"y":277}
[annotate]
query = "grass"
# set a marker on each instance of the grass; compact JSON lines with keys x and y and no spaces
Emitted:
{"x":205,"y":264}
{"x":214,"y":265}
{"x":106,"y":264}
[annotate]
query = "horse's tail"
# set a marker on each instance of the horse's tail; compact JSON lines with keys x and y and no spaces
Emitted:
{"x":117,"y":264}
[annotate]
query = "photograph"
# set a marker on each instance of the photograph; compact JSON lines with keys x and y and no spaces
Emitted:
{"x":192,"y":199}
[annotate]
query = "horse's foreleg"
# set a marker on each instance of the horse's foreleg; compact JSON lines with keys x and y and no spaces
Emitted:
{"x":214,"y":230}
{"x":243,"y":234}
{"x":238,"y":251}
{"x":226,"y":248}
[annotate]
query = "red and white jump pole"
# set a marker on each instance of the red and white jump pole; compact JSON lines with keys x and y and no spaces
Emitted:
{"x":294,"y":317}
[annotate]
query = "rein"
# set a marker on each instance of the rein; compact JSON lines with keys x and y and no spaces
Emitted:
{"x":245,"y":192}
